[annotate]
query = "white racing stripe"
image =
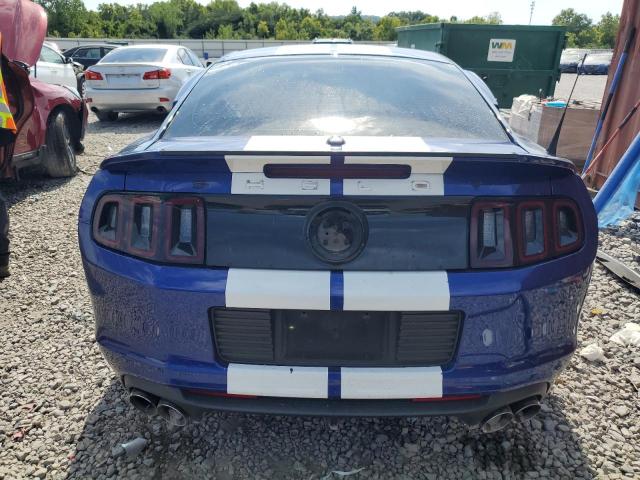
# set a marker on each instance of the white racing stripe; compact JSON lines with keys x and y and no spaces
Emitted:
{"x":287,"y":289}
{"x":396,"y":291}
{"x":415,"y":185}
{"x":259,"y":184}
{"x":427,"y":176}
{"x":418,"y":164}
{"x":390,"y":383}
{"x":256,"y":163}
{"x":277,"y":381}
{"x":287,"y":143}
{"x":247,"y":176}
{"x":385,"y":144}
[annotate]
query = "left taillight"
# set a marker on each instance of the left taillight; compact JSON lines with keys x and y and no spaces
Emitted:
{"x":168,"y":230}
{"x":511,"y":233}
{"x":91,"y":75}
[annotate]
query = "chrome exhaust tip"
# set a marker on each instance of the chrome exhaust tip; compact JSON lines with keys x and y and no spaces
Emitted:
{"x":526,"y":409}
{"x":497,"y":420}
{"x":142,"y":401}
{"x":161,"y":110}
{"x":171,"y":413}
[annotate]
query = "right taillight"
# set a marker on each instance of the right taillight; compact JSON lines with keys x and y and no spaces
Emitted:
{"x":568,"y":235}
{"x":167,"y":230}
{"x":91,"y":75}
{"x":508,"y":233}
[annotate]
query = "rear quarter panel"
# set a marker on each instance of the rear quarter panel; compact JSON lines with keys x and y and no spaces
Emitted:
{"x":47,"y":98}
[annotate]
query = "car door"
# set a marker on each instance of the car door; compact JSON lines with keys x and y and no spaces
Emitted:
{"x":46,"y":69}
{"x":53,"y":68}
{"x":189,"y":67}
{"x":194,"y":58}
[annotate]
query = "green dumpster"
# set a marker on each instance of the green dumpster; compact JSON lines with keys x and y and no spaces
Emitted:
{"x":511,"y":59}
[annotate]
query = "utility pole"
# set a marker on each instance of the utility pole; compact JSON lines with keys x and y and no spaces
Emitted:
{"x":533,"y":5}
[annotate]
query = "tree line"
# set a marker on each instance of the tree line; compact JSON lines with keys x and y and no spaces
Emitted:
{"x":225,"y":19}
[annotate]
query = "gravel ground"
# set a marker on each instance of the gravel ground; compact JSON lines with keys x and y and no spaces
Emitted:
{"x":63,"y":414}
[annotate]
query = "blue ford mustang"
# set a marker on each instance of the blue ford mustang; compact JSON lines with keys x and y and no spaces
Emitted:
{"x":337,"y":230}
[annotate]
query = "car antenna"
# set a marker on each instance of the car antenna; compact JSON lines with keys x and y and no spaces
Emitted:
{"x":553,"y":145}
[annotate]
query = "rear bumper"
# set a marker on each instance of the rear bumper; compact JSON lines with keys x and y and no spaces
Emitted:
{"x":134,"y":100}
{"x":152,"y":324}
{"x":471,"y":411}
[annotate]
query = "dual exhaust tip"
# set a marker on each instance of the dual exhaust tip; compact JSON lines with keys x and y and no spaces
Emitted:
{"x":520,"y":411}
{"x":150,"y":405}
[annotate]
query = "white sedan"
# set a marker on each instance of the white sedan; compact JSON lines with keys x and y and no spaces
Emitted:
{"x":53,"y":67}
{"x":138,"y":78}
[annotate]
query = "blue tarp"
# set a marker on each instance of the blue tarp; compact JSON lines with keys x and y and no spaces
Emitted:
{"x":615,"y":201}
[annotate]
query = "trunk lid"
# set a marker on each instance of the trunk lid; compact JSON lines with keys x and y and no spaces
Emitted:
{"x":261,"y":204}
{"x":125,"y":76}
{"x":23,"y":25}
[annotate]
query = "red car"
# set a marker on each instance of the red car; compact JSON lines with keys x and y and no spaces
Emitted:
{"x":51,"y":119}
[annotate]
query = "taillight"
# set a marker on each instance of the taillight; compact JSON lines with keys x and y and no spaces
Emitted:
{"x":509,"y":233}
{"x":185,"y":241}
{"x":568,"y":235}
{"x":532,"y":231}
{"x":491,"y":244}
{"x":91,"y":75}
{"x":160,"y":74}
{"x":162,"y":229}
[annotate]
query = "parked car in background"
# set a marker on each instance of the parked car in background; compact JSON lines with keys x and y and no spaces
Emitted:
{"x":302,"y":236}
{"x":52,"y":67}
{"x":569,"y":62}
{"x":85,"y":56}
{"x":139,"y":78}
{"x":596,"y":64}
{"x":88,"y":55}
{"x":332,"y":41}
{"x":51,"y":119}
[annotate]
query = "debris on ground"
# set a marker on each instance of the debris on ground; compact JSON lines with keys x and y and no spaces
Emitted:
{"x":589,"y":425}
{"x":593,"y":353}
{"x":629,"y":335}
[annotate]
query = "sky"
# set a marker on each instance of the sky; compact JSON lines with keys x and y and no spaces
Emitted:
{"x":512,"y":11}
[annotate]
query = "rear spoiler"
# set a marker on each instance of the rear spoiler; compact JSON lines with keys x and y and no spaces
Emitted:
{"x":216,"y":161}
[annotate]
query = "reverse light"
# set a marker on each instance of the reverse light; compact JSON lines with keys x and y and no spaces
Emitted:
{"x":165,"y":230}
{"x":160,"y":74}
{"x":510,"y":233}
{"x":91,"y":75}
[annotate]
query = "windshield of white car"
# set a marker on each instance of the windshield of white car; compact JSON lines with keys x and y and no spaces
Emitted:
{"x":336,"y":95}
{"x":135,"y":55}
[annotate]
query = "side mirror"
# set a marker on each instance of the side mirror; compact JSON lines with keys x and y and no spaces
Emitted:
{"x":68,"y":59}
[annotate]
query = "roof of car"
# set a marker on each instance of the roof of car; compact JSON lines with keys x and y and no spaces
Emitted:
{"x":85,"y":45}
{"x":150,"y":45}
{"x":336,"y":49}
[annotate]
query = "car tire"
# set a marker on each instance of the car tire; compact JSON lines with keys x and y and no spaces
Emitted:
{"x":81,"y":86}
{"x":107,"y":116}
{"x":60,"y":151}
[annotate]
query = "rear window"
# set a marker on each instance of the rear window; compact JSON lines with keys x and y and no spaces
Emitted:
{"x":602,"y":58}
{"x":134,"y":55}
{"x":344,"y":95}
